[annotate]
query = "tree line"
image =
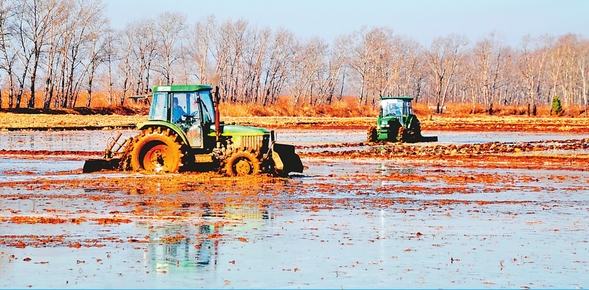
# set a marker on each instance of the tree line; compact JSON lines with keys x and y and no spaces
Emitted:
{"x":55,"y":51}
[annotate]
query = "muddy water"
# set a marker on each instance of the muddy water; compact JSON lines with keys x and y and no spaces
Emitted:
{"x":60,"y":140}
{"x":97,"y":140}
{"x":348,"y":224}
{"x":308,"y":137}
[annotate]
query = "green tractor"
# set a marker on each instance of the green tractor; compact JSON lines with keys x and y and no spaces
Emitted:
{"x":397,"y":123}
{"x":183,"y":132}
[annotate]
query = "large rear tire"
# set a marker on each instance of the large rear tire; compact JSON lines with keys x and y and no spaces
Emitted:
{"x":371,"y":135}
{"x":411,"y":134}
{"x":156,"y":150}
{"x":241,"y":163}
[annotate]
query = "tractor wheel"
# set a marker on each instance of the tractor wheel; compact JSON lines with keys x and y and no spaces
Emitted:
{"x":403,"y":135}
{"x":156,"y":150}
{"x":416,"y":128}
{"x":411,"y":134}
{"x":242,"y":162}
{"x":371,"y":135}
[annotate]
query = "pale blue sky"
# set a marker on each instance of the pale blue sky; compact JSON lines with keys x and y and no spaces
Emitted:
{"x":422,"y":20}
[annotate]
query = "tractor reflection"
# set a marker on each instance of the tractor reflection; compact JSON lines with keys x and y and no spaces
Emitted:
{"x":189,"y":245}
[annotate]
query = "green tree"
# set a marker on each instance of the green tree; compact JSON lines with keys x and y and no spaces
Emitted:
{"x":556,"y":106}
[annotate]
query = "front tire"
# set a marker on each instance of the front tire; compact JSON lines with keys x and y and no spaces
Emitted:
{"x":156,"y":151}
{"x":241,"y":163}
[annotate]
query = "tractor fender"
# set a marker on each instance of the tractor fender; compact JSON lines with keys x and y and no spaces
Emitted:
{"x":164,"y":124}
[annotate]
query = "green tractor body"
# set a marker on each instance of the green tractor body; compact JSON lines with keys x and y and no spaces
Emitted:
{"x":184,"y":131}
{"x":396,"y":122}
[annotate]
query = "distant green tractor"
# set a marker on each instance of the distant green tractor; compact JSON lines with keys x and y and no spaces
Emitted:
{"x":397,"y":123}
{"x":184,"y":132}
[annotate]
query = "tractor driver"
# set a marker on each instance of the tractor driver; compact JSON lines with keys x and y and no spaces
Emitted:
{"x":393,"y":110}
{"x":177,"y":112}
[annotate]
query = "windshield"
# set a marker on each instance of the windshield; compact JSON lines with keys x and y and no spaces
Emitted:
{"x":395,"y":108}
{"x":390,"y":108}
{"x":189,"y":104}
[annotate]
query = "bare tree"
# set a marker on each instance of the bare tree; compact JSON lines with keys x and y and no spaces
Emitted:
{"x":308,"y":61}
{"x":84,"y":45}
{"x":127,"y":64}
{"x":444,"y":58}
{"x":228,"y":50}
{"x":54,"y":55}
{"x":98,"y":53}
{"x":64,"y":46}
{"x":488,"y":66}
{"x":411,"y":74}
{"x":221,"y":52}
{"x":168,"y":29}
{"x":531,"y":63}
{"x":8,"y":55}
{"x":362,"y":57}
{"x":335,"y":70}
{"x":34,"y":18}
{"x":141,"y":51}
{"x":200,"y":38}
{"x":254,"y":58}
{"x":278,"y":62}
{"x":563,"y":71}
{"x":138,"y":52}
{"x":111,"y":56}
{"x":583,"y":66}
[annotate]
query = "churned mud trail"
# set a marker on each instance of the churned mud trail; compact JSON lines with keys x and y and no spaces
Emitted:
{"x":471,"y":214}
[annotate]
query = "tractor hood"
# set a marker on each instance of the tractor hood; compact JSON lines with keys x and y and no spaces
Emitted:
{"x":246,"y":137}
{"x":238,"y":130}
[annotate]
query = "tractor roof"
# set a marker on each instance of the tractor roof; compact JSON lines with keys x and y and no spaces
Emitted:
{"x":396,"y":97}
{"x":181,"y":88}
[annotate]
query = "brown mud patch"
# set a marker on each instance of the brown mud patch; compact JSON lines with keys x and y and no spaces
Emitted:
{"x":481,"y":214}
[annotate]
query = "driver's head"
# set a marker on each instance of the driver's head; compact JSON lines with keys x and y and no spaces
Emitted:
{"x":175,"y":101}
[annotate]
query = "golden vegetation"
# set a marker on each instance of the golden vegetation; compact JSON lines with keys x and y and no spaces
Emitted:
{"x":344,"y":113}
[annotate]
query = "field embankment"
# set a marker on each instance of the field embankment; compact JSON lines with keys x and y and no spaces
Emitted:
{"x":13,"y":121}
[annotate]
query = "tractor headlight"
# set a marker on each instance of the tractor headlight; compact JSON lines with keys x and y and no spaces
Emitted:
{"x":384,"y":124}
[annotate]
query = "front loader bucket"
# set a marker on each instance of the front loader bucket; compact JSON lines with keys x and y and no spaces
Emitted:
{"x":285,"y":159}
{"x":93,"y":165}
{"x":428,"y":139}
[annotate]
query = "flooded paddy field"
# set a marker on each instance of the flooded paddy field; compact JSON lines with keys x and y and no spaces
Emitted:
{"x":465,"y":212}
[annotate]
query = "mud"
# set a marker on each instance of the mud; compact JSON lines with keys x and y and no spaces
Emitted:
{"x":465,"y":212}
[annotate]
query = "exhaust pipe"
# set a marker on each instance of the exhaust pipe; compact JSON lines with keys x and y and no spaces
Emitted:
{"x":217,"y":116}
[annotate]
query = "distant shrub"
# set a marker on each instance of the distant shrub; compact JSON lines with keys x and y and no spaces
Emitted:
{"x":556,"y":107}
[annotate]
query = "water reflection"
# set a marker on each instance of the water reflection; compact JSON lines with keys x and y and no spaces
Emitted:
{"x":171,"y":250}
{"x":185,"y":246}
{"x":59,"y":140}
{"x":97,"y":140}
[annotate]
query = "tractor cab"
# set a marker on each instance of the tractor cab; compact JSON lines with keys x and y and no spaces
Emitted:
{"x":189,"y":108}
{"x":395,"y":107}
{"x":176,"y":105}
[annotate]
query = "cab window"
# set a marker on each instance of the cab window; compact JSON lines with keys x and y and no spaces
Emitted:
{"x":158,"y":107}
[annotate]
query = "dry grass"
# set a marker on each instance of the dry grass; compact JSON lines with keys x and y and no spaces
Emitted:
{"x":46,"y":121}
{"x":347,"y":107}
{"x":480,"y":123}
